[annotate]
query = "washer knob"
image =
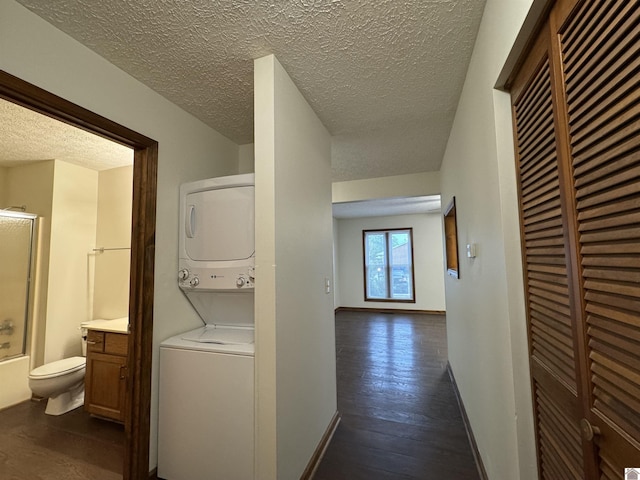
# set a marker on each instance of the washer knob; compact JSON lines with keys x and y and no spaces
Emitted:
{"x":194,"y":282}
{"x":240,"y":282}
{"x":183,"y":274}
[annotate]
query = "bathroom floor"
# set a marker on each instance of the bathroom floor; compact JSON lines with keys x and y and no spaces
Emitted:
{"x":74,"y":446}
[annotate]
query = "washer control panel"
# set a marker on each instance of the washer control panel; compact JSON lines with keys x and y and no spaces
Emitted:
{"x":239,"y":278}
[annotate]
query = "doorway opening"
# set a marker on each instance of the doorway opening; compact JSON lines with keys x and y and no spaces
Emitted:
{"x":138,"y":391}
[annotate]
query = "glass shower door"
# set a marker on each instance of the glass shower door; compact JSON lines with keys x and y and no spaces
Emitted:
{"x":16,"y":240}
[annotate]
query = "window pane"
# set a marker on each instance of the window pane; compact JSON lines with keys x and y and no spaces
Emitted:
{"x":401,"y":287}
{"x":376,"y":249}
{"x":401,"y":283}
{"x":376,"y":255}
{"x":377,"y":282}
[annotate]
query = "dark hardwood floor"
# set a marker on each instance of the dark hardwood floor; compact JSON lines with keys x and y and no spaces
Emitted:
{"x":399,"y":414}
{"x":73,"y":446}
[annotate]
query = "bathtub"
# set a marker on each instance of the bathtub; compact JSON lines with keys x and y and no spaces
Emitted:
{"x":14,"y":378}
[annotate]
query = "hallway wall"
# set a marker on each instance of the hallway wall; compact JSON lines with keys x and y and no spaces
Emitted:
{"x":295,"y":335}
{"x":485,"y":308}
{"x":412,"y":185}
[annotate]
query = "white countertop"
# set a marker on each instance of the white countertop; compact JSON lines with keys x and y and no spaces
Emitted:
{"x":117,"y":325}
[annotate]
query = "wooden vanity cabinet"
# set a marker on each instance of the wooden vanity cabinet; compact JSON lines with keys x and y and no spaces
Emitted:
{"x":106,"y":373}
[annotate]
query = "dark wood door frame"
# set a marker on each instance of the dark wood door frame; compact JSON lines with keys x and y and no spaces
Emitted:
{"x":136,"y":459}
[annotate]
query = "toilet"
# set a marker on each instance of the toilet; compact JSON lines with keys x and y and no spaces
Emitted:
{"x":62,"y":382}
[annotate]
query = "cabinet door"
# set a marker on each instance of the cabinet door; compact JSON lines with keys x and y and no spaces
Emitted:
{"x":599,"y":45}
{"x":105,"y":385}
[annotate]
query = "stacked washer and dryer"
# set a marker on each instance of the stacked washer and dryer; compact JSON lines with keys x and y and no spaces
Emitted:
{"x":206,"y":403}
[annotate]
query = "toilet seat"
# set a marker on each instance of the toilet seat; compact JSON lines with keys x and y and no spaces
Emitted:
{"x":58,"y":368}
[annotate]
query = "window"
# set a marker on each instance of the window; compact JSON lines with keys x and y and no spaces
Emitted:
{"x":388,"y":265}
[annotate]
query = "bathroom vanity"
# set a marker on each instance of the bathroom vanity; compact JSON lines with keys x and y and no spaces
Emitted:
{"x":105,"y":379}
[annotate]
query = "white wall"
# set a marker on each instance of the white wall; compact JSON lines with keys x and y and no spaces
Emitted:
{"x":3,"y":187}
{"x":113,"y":230}
{"x":428,"y":262}
{"x":416,"y":184}
{"x":73,"y":236}
{"x":246,"y":158}
{"x":485,"y":310}
{"x":295,"y":337}
{"x":37,"y":52}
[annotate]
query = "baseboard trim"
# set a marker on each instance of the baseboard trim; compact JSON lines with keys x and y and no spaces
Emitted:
{"x":467,"y":426}
{"x":153,"y":474}
{"x":389,"y":310}
{"x":321,"y":448}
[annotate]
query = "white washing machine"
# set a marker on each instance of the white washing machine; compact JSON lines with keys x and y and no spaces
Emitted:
{"x":206,"y":410}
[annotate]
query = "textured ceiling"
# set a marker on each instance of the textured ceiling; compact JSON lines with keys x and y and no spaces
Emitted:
{"x":28,"y":136}
{"x":384,"y":76}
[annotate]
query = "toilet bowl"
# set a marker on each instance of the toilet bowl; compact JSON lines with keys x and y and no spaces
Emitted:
{"x":62,"y":382}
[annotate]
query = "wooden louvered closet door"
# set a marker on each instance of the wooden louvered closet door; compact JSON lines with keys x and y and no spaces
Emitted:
{"x":576,"y":108}
{"x":547,"y":280}
{"x":600,"y":49}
